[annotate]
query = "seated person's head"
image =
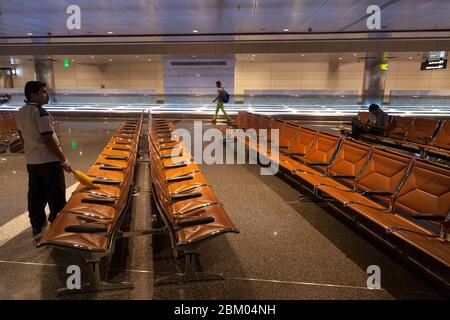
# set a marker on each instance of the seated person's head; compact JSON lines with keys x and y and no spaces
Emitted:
{"x":373,"y":108}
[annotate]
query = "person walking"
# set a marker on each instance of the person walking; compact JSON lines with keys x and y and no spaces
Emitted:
{"x":222,"y":96}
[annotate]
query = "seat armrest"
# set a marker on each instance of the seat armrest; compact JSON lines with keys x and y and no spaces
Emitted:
{"x":171,"y":147}
{"x":106,"y":181}
{"x":168,"y":140}
{"x":116,"y":157}
{"x":163,"y":132}
{"x":111,"y":168}
{"x":168,"y":156}
{"x":428,"y":216}
{"x":86,"y":229}
{"x":99,"y":201}
{"x":120,"y":149}
{"x":179,"y":197}
{"x":318,"y":163}
{"x":178,"y":179}
{"x":343,"y":176}
{"x":176,"y":165}
{"x":166,"y":135}
{"x":296,"y":153}
{"x":377,"y":193}
{"x":193,"y":222}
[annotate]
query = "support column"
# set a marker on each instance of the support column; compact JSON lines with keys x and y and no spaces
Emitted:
{"x":374,"y":78}
{"x":43,"y":70}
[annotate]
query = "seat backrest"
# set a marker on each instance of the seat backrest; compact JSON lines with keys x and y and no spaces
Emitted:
{"x":254,"y":121}
{"x":277,"y":125}
{"x":426,"y":190}
{"x":287,"y":134}
{"x":323,"y":148}
{"x":239,"y":118}
{"x":350,"y":159}
{"x":422,"y":130}
{"x":442,"y":138}
{"x":399,"y":127}
{"x":384,"y":171}
{"x":264,"y":122}
{"x":363,"y":116}
{"x":245,"y":122}
{"x":302,"y":141}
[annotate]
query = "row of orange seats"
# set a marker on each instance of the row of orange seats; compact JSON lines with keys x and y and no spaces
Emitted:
{"x":191,"y":211}
{"x":91,"y":216}
{"x":406,"y":199}
{"x":429,"y":135}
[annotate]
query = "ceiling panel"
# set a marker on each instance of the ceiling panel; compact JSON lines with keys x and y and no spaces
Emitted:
{"x":164,"y":17}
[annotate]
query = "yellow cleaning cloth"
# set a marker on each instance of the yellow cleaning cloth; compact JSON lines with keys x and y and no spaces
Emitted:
{"x":85,"y":180}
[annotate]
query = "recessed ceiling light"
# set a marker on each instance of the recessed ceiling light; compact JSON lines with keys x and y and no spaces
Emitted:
{"x":92,"y":57}
{"x":285,"y":29}
{"x":303,"y":55}
{"x":355,"y":54}
{"x":110,"y":32}
{"x":194,"y":56}
{"x":340,"y":58}
{"x":49,"y":57}
{"x":110,"y":60}
{"x":195,"y":31}
{"x":136,"y":56}
{"x":29,"y":34}
{"x":410,"y":58}
{"x":73,"y":60}
{"x":149,"y":59}
{"x":253,"y":55}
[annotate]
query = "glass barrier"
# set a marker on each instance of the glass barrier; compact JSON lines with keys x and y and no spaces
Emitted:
{"x":289,"y":104}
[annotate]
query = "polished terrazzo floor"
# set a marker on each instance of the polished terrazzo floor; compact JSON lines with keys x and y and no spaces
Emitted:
{"x":285,"y":250}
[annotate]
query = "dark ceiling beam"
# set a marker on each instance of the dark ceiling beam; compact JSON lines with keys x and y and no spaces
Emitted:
{"x":316,"y":46}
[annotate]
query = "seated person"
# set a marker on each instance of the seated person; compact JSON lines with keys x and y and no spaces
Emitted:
{"x":376,"y":124}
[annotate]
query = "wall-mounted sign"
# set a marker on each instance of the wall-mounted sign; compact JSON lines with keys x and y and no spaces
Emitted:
{"x":66,"y":63}
{"x":434,"y":65}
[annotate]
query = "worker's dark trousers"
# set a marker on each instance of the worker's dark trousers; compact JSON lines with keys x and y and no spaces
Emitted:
{"x":46,"y":184}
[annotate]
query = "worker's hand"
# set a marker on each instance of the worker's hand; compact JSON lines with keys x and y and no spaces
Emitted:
{"x":66,"y":165}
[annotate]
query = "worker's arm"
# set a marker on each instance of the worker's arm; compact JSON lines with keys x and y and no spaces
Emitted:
{"x":21,"y":138}
{"x":46,"y":129}
{"x":53,"y":147}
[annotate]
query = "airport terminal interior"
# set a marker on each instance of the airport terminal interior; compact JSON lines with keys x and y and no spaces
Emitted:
{"x":325,"y":174}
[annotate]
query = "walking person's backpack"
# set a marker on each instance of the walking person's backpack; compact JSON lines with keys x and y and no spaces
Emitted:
{"x":225,"y":97}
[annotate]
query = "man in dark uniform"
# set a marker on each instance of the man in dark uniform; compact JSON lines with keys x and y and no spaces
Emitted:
{"x":45,"y":160}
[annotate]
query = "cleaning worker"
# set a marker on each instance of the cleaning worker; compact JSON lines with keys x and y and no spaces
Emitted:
{"x":45,"y":159}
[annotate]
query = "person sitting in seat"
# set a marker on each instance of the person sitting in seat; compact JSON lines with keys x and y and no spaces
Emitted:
{"x":376,"y":124}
